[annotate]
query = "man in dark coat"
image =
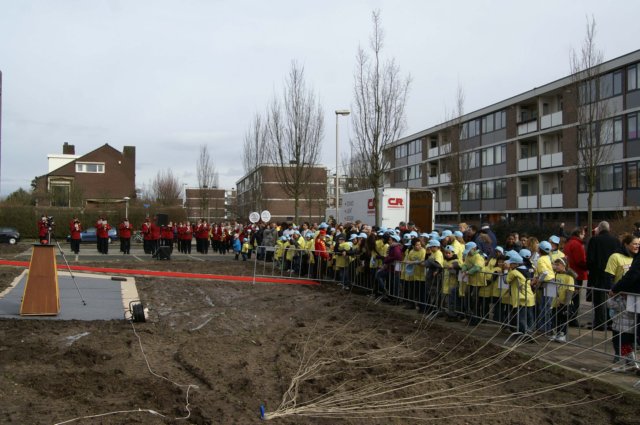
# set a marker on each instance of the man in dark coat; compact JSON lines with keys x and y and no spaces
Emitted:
{"x":599,"y":250}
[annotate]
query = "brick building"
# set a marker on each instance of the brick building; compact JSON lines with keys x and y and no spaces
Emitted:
{"x":104,"y":175}
{"x":215,"y":205}
{"x":520,"y":156}
{"x":261,"y":190}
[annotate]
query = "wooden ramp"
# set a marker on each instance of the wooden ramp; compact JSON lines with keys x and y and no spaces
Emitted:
{"x":41,"y":295}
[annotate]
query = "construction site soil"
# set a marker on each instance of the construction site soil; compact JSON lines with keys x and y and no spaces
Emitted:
{"x":219,"y":350}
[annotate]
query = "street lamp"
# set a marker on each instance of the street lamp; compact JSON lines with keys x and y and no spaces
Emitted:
{"x":126,"y":207}
{"x":339,"y":112}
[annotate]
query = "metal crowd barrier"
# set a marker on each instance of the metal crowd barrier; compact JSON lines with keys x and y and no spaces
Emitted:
{"x":453,"y":298}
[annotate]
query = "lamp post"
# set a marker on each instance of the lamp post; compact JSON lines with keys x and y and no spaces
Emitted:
{"x":339,"y":112}
{"x":126,"y":207}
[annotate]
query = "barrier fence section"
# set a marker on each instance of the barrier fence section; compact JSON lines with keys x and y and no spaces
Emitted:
{"x":565,"y":313}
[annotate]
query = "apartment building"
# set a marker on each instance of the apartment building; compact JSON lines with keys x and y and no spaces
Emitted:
{"x":261,"y":189}
{"x":520,"y":159}
{"x":211,"y":203}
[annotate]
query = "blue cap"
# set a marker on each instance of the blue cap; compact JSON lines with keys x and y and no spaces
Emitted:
{"x":395,"y":237}
{"x":554,"y":239}
{"x":353,"y":236}
{"x":413,"y":234}
{"x":468,"y":247}
{"x":433,"y":243}
{"x":545,"y":246}
{"x":446,"y":233}
{"x":450,"y":248}
{"x":511,"y":253}
{"x":323,"y":225}
{"x":525,"y":253}
{"x":406,"y":236}
{"x":458,"y":234}
{"x":362,"y":235}
{"x":500,"y":249}
{"x":514,"y":259}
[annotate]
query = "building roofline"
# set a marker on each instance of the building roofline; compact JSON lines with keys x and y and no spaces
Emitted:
{"x":536,"y":91}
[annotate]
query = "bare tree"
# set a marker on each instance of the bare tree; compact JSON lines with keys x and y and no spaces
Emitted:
{"x":207,"y":179}
{"x":254,"y":155}
{"x":457,"y":162}
{"x":380,"y":95}
{"x":594,"y":132}
{"x":294,"y":133}
{"x":354,"y":177}
{"x":166,"y":188}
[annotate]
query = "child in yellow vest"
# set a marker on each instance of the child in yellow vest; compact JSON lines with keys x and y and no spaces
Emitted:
{"x":561,"y":303}
{"x":451,"y":267}
{"x":522,"y":297}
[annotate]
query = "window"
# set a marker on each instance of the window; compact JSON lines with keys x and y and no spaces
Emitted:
{"x":632,"y":126}
{"x":494,"y":189}
{"x":470,"y":129}
{"x":608,"y":177}
{"x":495,"y":121}
{"x":487,"y":124}
{"x":471,"y":192}
{"x":611,"y":85}
{"x":632,"y":175}
{"x":487,"y":157}
{"x":401,"y":151}
{"x":632,"y":77}
{"x":587,"y":91}
{"x":528,"y":150}
{"x":89,"y":167}
{"x":500,"y":154}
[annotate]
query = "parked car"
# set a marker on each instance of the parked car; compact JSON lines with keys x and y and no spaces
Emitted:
{"x":89,"y":235}
{"x":9,"y":235}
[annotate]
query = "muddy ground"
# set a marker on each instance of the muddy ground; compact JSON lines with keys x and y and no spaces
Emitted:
{"x":241,"y":344}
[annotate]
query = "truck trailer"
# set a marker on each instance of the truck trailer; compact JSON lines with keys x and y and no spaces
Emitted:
{"x":415,"y":205}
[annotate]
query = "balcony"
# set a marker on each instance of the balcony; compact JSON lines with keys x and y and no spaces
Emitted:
{"x":432,"y":180}
{"x":445,"y":177}
{"x":551,"y":120}
{"x":551,"y":160}
{"x":443,"y":206}
{"x":433,"y":152}
{"x":526,"y":164}
{"x":527,"y":127}
{"x":551,"y":201}
{"x":445,"y":149}
{"x":528,"y":202}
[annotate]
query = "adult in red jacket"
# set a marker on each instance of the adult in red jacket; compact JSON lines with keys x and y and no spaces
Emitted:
{"x":102,"y":234}
{"x":202,"y":237}
{"x":577,"y":257}
{"x":166,"y":236}
{"x":43,"y":230}
{"x":185,"y":235}
{"x":145,"y":229}
{"x":75,"y":228}
{"x":124,"y":232}
{"x":155,"y":236}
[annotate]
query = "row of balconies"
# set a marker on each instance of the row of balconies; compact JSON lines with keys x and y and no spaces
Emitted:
{"x":524,"y":202}
{"x":546,"y":161}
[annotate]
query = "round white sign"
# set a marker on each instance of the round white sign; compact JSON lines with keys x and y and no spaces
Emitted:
{"x":265,"y":216}
{"x":254,"y":217}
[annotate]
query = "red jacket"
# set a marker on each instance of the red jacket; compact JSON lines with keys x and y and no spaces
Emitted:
{"x":185,"y":233}
{"x":103,"y":230}
{"x":75,"y":229}
{"x":146,"y":230}
{"x":575,"y":253}
{"x":167,"y":232}
{"x":42,"y":229}
{"x":155,"y":232}
{"x":125,"y":230}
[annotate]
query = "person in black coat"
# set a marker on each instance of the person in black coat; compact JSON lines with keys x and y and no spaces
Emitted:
{"x":599,"y":250}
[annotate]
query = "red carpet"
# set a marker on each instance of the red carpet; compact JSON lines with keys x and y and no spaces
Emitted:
{"x":170,"y":274}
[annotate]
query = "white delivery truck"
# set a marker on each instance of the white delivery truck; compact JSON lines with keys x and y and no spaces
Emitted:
{"x":416,"y":205}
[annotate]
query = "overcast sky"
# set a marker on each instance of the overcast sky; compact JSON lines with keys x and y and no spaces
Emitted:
{"x":169,"y":76}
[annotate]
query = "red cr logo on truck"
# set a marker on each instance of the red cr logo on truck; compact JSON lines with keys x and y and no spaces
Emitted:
{"x":370,"y":204}
{"x":395,"y":202}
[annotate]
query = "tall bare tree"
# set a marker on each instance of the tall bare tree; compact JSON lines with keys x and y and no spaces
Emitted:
{"x":166,"y":188}
{"x":295,"y":126}
{"x":594,"y":133}
{"x":380,"y":95}
{"x":354,"y":177}
{"x":207,"y":179}
{"x":254,"y":155}
{"x":457,"y":162}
